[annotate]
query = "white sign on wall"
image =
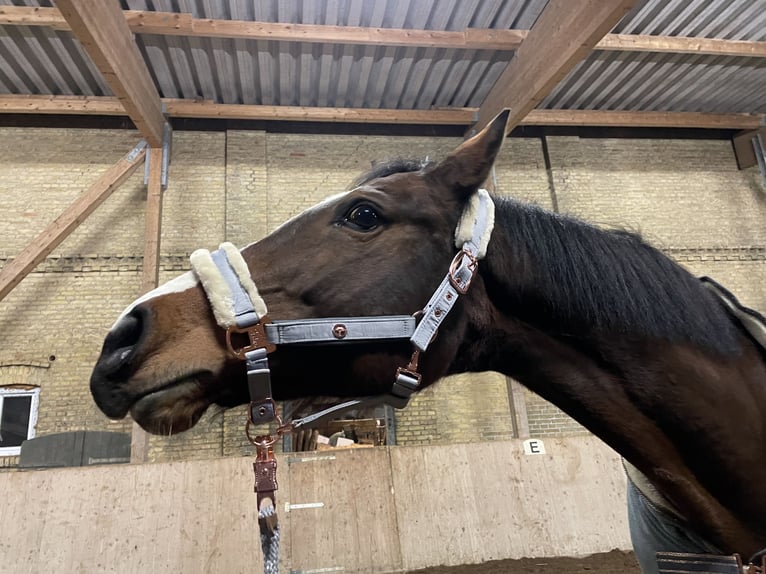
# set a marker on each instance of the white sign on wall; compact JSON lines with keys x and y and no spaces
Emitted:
{"x":534,"y":446}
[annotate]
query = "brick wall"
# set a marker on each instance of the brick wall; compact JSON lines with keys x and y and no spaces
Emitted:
{"x":687,"y":196}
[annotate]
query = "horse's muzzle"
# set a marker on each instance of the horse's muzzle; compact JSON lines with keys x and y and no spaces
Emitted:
{"x":114,"y":365}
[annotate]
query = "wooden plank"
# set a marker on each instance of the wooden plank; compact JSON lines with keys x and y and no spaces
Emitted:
{"x":183,"y":24}
{"x":355,"y":529}
{"x":139,"y":438}
{"x":60,"y":228}
{"x":743,"y":147}
{"x":33,"y":104}
{"x":648,"y":119}
{"x":476,"y":502}
{"x":484,"y":501}
{"x":682,"y":45}
{"x":134,"y":518}
{"x":67,"y":105}
{"x":33,"y":16}
{"x":565,"y":32}
{"x":104,"y":33}
{"x":192,"y":109}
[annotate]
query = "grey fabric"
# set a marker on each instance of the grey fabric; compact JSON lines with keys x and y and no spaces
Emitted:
{"x":440,"y":304}
{"x":357,"y":329}
{"x":654,"y":530}
{"x":258,"y":374}
{"x":244,"y":312}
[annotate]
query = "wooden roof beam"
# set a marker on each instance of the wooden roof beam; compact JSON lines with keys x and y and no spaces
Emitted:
{"x":61,"y":227}
{"x":183,"y":24}
{"x":32,"y":104}
{"x":743,"y":146}
{"x":564,"y":34}
{"x":101,"y":28}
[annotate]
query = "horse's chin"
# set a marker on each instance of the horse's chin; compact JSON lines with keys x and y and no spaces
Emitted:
{"x":172,"y":409}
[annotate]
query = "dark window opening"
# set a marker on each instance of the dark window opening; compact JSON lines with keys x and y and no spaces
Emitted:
{"x":14,"y":420}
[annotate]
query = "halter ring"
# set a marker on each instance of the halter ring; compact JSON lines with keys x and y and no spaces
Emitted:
{"x":473,"y":264}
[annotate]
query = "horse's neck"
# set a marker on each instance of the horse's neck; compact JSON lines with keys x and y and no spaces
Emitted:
{"x":658,"y":405}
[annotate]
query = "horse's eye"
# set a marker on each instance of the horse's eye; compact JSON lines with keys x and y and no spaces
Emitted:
{"x":363,"y":217}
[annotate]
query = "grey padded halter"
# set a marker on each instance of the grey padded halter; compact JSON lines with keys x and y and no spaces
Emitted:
{"x":237,"y":294}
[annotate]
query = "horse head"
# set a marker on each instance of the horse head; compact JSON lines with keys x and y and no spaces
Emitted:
{"x":380,"y":248}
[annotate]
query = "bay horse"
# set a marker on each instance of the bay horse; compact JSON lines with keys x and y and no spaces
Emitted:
{"x":597,"y":322}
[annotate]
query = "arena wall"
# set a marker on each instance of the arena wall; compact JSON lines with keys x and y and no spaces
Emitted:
{"x":364,"y":510}
{"x":686,"y":196}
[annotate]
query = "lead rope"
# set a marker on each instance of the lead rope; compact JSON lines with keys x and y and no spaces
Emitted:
{"x":269,"y":541}
{"x":265,"y":470}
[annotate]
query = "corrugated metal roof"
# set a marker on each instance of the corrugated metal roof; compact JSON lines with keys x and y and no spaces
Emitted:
{"x":37,"y":60}
{"x":674,"y":82}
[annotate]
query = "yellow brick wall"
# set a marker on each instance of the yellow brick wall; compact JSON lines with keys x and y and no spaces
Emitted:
{"x":239,"y":185}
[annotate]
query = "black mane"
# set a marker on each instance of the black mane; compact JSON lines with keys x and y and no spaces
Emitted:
{"x":610,"y":280}
{"x":390,"y":167}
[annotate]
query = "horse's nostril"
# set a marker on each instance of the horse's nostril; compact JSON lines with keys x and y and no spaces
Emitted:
{"x":122,"y":341}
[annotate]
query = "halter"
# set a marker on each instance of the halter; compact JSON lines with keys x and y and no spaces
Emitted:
{"x":240,"y":310}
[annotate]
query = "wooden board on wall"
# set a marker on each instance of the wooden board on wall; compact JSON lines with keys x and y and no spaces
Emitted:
{"x":356,"y":528}
{"x":175,"y":517}
{"x":484,"y":501}
{"x":382,"y":510}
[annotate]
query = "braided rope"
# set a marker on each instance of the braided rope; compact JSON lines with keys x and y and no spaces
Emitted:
{"x":269,"y":542}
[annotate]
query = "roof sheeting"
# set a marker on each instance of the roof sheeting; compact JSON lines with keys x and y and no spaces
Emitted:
{"x":40,"y":60}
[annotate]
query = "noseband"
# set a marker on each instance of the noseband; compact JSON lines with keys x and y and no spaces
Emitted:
{"x":240,"y":310}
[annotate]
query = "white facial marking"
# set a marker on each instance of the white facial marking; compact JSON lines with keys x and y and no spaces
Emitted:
{"x":180,"y":283}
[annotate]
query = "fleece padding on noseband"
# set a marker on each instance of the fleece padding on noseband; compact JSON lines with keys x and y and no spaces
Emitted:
{"x":222,"y":299}
{"x":478,"y":219}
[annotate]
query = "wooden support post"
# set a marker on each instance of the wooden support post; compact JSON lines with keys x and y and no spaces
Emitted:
{"x":60,"y":228}
{"x":139,"y":444}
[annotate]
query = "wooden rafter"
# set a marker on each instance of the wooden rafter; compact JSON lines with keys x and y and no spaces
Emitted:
{"x":564,"y":34}
{"x":102,"y":30}
{"x":26,"y":104}
{"x":681,"y":45}
{"x":60,"y":228}
{"x":183,"y":24}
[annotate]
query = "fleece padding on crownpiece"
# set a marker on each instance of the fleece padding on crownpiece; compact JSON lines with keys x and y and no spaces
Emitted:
{"x":478,"y":217}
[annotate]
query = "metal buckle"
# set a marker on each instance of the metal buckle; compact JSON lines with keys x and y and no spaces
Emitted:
{"x":473,"y":264}
{"x":407,"y":378}
{"x":257,"y":336}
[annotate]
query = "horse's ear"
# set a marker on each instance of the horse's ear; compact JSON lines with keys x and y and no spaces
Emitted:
{"x":469,"y":165}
